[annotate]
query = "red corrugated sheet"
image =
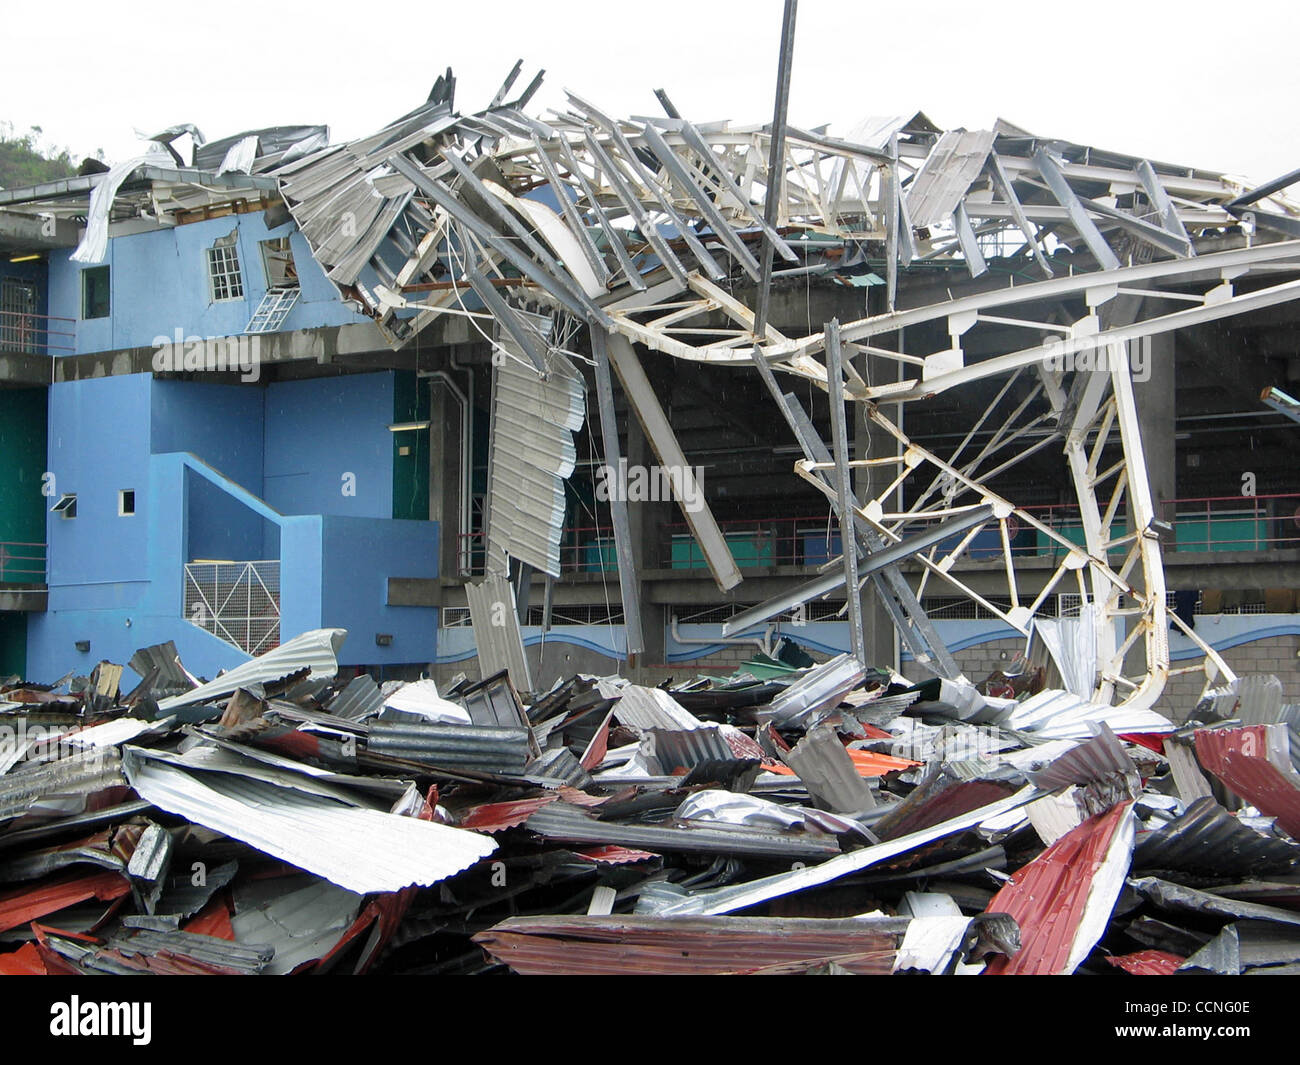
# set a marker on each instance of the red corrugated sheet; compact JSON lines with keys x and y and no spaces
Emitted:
{"x":23,"y":905}
{"x":1239,"y":758}
{"x":498,"y":816}
{"x":1153,"y":741}
{"x":213,"y":920}
{"x":1148,"y":963}
{"x":630,"y":945}
{"x":1049,"y":895}
{"x":610,"y":855}
{"x":25,"y":961}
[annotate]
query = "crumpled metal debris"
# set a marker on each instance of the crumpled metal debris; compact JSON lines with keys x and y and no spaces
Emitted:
{"x":287,"y":818}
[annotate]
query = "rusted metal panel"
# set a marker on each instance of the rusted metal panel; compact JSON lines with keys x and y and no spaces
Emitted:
{"x":609,"y":946}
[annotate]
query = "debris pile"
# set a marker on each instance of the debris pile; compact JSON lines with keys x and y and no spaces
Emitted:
{"x":283,"y":818}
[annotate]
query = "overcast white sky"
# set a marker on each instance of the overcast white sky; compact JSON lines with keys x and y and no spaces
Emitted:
{"x":1177,"y":82}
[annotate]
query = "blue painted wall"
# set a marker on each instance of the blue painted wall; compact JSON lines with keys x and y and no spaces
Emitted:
{"x":187,"y":449}
{"x":320,"y":429}
{"x":359,"y":555}
{"x":158,"y":284}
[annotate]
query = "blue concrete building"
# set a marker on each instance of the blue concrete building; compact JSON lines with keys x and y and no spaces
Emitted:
{"x":154,"y":492}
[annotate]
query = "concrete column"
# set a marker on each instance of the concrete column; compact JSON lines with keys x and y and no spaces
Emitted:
{"x":872,"y":442}
{"x":647,"y":520}
{"x":444,"y":472}
{"x":1157,"y":411}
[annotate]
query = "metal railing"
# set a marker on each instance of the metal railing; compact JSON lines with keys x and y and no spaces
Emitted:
{"x":37,"y":334}
{"x":238,"y":602}
{"x":1208,"y":523}
{"x":1235,"y":523}
{"x":22,"y":563}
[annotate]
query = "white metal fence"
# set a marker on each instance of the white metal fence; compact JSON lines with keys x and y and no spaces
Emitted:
{"x":238,"y":602}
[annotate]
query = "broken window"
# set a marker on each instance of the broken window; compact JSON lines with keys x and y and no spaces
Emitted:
{"x":277,"y":258}
{"x":94,"y":292}
{"x":224,"y":279}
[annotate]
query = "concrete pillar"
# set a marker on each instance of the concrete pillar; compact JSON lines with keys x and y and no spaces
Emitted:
{"x":445,"y":416}
{"x":647,"y":520}
{"x":1157,"y":411}
{"x":870,"y":441}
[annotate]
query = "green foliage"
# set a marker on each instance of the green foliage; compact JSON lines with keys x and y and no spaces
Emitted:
{"x":25,"y":161}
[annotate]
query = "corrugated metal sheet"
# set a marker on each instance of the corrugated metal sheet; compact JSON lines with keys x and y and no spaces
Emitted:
{"x":78,"y":774}
{"x":953,"y":163}
{"x":533,"y":422}
{"x":1148,"y":962}
{"x":1098,"y":759}
{"x":497,"y":638}
{"x":1054,"y":714}
{"x":820,"y":688}
{"x":21,"y":906}
{"x":941,"y":796}
{"x":493,"y":750}
{"x":617,"y":945}
{"x":559,"y":764}
{"x":1255,"y":763}
{"x":1179,"y":897}
{"x":645,"y":708}
{"x":300,"y":919}
{"x":741,"y":896}
{"x":498,"y":816}
{"x":163,"y":954}
{"x":362,"y":850}
{"x":100,"y":849}
{"x":670,"y":750}
{"x":361,"y":698}
{"x":1206,"y":838}
{"x":571,"y":824}
{"x":1062,"y":900}
{"x":614,"y":855}
{"x":316,"y":651}
{"x":829,"y":773}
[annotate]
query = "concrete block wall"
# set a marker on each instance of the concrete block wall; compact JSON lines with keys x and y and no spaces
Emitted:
{"x":1275,"y":654}
{"x":976,"y":661}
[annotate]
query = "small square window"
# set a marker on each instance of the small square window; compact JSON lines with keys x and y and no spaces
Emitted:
{"x":225,"y":282}
{"x":126,"y":502}
{"x":94,"y":292}
{"x":66,"y":507}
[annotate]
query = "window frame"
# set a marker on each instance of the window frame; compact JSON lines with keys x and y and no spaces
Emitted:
{"x":222,"y":278}
{"x":88,"y":276}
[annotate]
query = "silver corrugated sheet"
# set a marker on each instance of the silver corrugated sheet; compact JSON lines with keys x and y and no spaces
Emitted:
{"x":533,"y":422}
{"x":646,"y":708}
{"x":820,"y":688}
{"x":494,"y":750}
{"x":316,"y":650}
{"x":668,"y":750}
{"x":301,"y":925}
{"x":1207,"y":839}
{"x":79,"y":774}
{"x":497,"y":637}
{"x":571,"y":824}
{"x":362,"y":850}
{"x":559,"y":764}
{"x":165,"y":658}
{"x":828,"y":773}
{"x":953,"y":163}
{"x":360,"y":699}
{"x":1099,"y":758}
